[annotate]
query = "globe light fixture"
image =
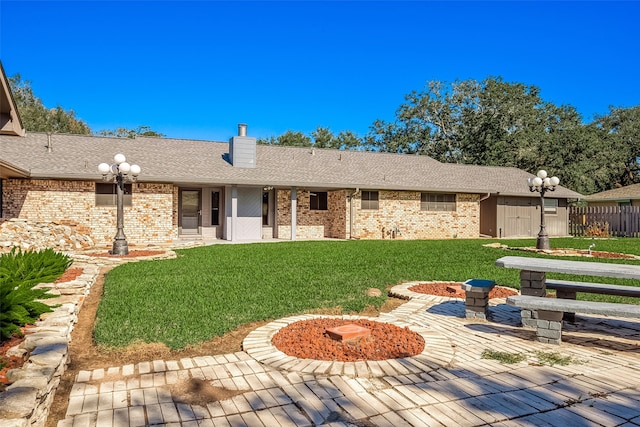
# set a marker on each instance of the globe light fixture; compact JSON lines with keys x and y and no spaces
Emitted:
{"x":542,"y":183}
{"x":119,"y":172}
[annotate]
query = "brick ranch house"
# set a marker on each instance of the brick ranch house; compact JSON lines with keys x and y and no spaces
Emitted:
{"x":242,"y":191}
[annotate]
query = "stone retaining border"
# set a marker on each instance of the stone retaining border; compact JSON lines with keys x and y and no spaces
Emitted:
{"x":27,"y":400}
{"x":402,"y":291}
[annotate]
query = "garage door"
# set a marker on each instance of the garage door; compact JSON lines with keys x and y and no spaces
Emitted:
{"x":517,"y":218}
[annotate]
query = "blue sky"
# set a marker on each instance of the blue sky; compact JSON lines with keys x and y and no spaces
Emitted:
{"x":196,"y":69}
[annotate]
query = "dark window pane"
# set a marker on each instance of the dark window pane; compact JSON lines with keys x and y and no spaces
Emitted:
{"x":437,"y":202}
{"x":215,"y":208}
{"x":106,"y":194}
{"x":369,"y":200}
{"x":318,"y":201}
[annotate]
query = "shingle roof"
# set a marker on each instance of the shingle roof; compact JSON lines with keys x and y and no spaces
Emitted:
{"x":628,"y":192}
{"x":195,"y":162}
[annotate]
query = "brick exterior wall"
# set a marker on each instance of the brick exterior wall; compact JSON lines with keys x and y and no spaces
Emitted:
{"x":397,"y":210}
{"x":152,"y":218}
{"x":313,"y":224}
{"x":399,"y":216}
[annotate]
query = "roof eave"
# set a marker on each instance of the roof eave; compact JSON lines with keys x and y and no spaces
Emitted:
{"x":8,"y":170}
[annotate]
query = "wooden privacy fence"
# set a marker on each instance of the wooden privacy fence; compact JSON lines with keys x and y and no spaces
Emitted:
{"x":603,"y":221}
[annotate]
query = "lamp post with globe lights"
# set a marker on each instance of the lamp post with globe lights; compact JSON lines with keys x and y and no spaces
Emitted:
{"x":542,"y":183}
{"x":120,"y":171}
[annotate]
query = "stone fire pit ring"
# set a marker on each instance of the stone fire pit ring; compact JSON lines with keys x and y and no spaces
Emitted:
{"x":438,"y":352}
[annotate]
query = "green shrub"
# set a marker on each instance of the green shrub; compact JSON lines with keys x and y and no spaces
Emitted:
{"x":20,"y":272}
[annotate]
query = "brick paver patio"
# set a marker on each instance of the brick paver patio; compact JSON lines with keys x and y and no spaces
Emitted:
{"x":449,"y":384}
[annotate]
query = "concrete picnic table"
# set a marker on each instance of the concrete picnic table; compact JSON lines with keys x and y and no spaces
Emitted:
{"x":533,"y":278}
{"x":585,"y":268}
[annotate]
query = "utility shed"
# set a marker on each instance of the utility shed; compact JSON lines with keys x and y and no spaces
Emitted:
{"x":519,"y":216}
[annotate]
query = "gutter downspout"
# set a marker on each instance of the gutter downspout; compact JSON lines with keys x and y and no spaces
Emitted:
{"x":352,"y":215}
{"x":482,"y":199}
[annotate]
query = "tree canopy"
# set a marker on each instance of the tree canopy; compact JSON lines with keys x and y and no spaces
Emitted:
{"x":498,"y":123}
{"x":130,"y":133}
{"x":322,"y":137}
{"x":38,"y":118}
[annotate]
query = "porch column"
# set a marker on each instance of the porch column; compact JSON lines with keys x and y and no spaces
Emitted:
{"x":294,"y":197}
{"x":234,"y":212}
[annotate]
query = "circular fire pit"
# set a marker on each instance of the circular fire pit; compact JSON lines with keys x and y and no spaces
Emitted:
{"x":365,"y":340}
{"x":437,"y":350}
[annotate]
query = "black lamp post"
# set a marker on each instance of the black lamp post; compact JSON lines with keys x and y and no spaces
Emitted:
{"x":542,"y":184}
{"x":119,"y":172}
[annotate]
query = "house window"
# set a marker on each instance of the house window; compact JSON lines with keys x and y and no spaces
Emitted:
{"x":215,"y":208}
{"x":265,"y":208}
{"x":551,"y":206}
{"x":318,"y":201}
{"x":106,"y":194}
{"x":437,"y":202}
{"x":369,"y":200}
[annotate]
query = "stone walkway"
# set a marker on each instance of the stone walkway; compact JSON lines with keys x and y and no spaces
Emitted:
{"x":449,"y":384}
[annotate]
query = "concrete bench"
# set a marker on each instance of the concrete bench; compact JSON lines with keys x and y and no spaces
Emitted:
{"x":566,"y":289}
{"x":548,"y":324}
{"x":533,"y":278}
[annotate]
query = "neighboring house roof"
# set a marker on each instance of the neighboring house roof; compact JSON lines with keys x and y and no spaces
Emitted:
{"x":10,"y":122}
{"x":186,"y":162}
{"x":623,"y":193}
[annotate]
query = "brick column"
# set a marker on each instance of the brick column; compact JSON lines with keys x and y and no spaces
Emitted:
{"x":477,"y":298}
{"x":532,"y":283}
{"x":549,"y":326}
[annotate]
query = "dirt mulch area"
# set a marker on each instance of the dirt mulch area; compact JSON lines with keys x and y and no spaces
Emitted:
{"x":131,"y":254}
{"x":11,"y":362}
{"x":612,"y":255}
{"x":308,"y":339}
{"x":454,"y":290}
{"x":69,"y":275}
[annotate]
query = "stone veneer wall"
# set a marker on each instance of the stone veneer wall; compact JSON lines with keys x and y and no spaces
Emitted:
{"x":313,"y":224}
{"x":151,"y":219}
{"x":401,"y":209}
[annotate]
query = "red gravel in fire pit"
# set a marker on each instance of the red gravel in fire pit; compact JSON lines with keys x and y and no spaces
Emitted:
{"x":308,"y":339}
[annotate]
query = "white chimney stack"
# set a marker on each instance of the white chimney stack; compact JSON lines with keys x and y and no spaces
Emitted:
{"x":242,"y":149}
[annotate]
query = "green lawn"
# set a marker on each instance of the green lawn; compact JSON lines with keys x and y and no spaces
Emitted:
{"x":210,"y":290}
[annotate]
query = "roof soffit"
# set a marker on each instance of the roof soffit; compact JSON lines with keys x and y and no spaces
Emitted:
{"x":10,"y":122}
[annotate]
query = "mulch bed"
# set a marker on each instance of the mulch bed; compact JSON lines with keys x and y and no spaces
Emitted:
{"x":451,"y":289}
{"x":69,"y":275}
{"x":10,"y":362}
